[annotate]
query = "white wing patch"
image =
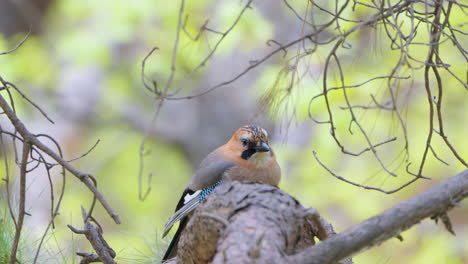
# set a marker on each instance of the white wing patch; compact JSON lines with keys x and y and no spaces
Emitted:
{"x":189,"y":197}
{"x":190,"y":203}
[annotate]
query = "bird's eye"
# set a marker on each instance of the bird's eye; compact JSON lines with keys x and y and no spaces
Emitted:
{"x":244,"y":142}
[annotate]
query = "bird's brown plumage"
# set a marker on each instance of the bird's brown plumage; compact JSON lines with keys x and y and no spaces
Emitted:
{"x":247,"y":156}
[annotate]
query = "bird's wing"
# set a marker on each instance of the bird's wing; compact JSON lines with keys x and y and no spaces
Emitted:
{"x":188,"y":203}
{"x":203,"y":182}
{"x":210,"y":171}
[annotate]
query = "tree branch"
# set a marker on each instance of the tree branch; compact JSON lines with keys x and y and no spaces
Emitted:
{"x":104,"y":253}
{"x":22,"y":202}
{"x":249,"y":223}
{"x":390,"y":223}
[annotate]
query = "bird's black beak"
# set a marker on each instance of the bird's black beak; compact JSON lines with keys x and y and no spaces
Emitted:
{"x":262,"y":147}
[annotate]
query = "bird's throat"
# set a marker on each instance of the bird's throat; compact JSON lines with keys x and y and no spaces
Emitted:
{"x":260,"y":159}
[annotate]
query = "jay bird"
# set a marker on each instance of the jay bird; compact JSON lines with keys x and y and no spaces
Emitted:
{"x":247,"y":156}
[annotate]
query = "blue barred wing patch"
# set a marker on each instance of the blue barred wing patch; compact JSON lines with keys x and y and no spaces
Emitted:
{"x":208,"y":190}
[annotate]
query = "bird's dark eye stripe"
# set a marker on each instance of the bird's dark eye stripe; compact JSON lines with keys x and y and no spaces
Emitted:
{"x":246,"y":154}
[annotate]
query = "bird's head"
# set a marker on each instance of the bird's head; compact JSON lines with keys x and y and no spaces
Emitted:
{"x":251,"y":143}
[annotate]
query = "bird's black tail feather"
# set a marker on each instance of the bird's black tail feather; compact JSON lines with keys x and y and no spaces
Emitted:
{"x":172,"y":249}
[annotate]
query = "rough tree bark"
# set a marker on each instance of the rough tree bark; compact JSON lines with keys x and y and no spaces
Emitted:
{"x":254,"y":223}
{"x":249,"y":223}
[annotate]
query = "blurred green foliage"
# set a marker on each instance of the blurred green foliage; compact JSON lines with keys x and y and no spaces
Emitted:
{"x":114,"y":36}
{"x":7,"y":234}
{"x":6,"y":237}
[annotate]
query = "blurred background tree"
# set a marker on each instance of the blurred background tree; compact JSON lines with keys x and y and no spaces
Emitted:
{"x":82,"y":64}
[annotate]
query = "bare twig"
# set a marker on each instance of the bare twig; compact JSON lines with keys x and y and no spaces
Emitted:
{"x":22,"y":202}
{"x":18,"y":45}
{"x":200,"y":32}
{"x":9,"y":84}
{"x":104,"y":253}
{"x":176,"y":46}
{"x":364,"y":186}
{"x":53,"y":211}
{"x":153,"y":89}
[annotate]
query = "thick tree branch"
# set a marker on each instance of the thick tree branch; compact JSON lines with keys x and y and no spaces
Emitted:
{"x":390,"y":223}
{"x":249,"y":223}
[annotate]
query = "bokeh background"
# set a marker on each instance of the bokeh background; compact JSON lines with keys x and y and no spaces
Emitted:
{"x":82,"y":65}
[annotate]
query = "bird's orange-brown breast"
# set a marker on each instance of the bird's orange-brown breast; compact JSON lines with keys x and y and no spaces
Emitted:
{"x":267,"y":175}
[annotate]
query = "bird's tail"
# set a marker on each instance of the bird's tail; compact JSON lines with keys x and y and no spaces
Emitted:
{"x":172,"y":249}
{"x":187,"y":203}
{"x":191,"y":202}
